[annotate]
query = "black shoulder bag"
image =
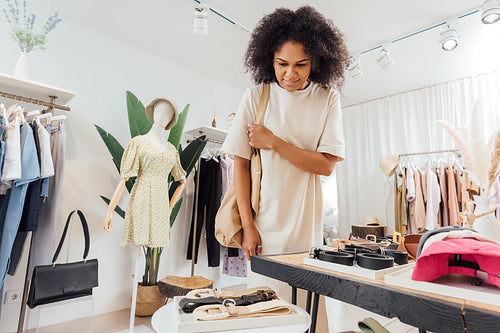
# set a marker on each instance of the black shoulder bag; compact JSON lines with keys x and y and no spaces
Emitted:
{"x":58,"y":282}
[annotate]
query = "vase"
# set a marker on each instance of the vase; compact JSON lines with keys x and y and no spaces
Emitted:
{"x":486,"y":224}
{"x":149,"y":299}
{"x":22,"y":69}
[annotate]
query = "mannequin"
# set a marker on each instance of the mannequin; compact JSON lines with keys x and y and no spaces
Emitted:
{"x":162,"y":115}
{"x":143,"y":161}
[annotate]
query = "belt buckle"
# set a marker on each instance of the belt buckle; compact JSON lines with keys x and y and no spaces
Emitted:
{"x":314,"y":253}
{"x":228,"y":300}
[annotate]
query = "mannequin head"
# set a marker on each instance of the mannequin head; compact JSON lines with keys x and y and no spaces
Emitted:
{"x":162,"y":112}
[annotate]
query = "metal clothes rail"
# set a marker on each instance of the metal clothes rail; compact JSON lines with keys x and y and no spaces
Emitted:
{"x":51,"y":105}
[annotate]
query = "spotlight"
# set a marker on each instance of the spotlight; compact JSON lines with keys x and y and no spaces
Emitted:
{"x":354,"y":67}
{"x":200,"y":20}
{"x":490,"y":11}
{"x":449,"y":37}
{"x":384,"y":58}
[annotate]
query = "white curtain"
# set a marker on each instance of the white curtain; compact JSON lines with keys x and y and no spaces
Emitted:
{"x":404,"y":123}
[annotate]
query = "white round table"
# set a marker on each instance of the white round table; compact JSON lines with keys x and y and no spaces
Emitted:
{"x":164,"y":320}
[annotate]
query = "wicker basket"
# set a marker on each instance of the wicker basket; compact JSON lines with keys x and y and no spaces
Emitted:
{"x":149,"y":299}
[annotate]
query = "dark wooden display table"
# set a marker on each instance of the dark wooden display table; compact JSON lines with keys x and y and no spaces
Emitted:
{"x":424,"y":310}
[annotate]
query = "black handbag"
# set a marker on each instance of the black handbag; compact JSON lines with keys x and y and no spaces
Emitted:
{"x":58,"y":282}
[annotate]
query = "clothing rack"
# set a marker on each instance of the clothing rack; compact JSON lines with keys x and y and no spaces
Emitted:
{"x":456,"y":151}
{"x":51,"y":105}
{"x":216,"y":136}
{"x":433,"y":152}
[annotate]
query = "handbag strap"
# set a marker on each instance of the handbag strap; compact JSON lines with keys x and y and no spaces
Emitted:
{"x":85,"y":233}
{"x":261,"y":111}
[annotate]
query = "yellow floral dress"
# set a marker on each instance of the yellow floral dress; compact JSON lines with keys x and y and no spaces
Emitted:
{"x":147,"y":220}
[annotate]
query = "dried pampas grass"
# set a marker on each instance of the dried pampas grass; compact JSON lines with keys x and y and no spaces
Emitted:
{"x":461,"y":139}
{"x":494,"y":170}
{"x":483,"y":167}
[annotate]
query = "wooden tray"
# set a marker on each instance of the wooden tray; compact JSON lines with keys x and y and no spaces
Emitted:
{"x":355,"y":270}
{"x":187,"y":323}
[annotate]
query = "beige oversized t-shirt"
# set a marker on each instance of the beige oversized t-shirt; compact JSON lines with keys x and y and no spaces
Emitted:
{"x":290,"y":209}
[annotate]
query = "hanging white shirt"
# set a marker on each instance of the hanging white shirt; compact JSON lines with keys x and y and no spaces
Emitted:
{"x":433,"y":201}
{"x":46,"y":162}
{"x":12,"y":158}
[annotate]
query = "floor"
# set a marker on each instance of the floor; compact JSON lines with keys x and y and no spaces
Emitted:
{"x":111,"y":322}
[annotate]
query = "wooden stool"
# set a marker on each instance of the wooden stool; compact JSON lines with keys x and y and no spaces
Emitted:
{"x":179,"y":286}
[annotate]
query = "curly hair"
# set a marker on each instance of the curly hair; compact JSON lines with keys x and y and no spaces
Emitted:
{"x":323,"y":43}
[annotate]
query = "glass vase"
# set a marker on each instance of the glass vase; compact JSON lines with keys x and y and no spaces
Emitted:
{"x":22,"y":69}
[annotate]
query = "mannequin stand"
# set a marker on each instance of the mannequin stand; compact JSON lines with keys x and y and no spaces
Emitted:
{"x":134,"y":289}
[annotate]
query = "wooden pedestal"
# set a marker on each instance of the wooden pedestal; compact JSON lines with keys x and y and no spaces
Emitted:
{"x":179,"y":286}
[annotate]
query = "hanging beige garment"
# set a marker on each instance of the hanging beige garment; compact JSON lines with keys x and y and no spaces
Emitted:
{"x":452,"y":196}
{"x":459,"y":188}
{"x":404,"y":204}
{"x":419,"y":205}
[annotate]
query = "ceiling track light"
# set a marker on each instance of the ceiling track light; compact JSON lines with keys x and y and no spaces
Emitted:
{"x":354,"y":67}
{"x":200,"y":20}
{"x":490,"y":11}
{"x":384,"y":58}
{"x":449,"y":36}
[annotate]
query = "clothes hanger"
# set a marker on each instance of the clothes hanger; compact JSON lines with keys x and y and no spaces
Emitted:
{"x":58,"y":119}
{"x":46,"y":116}
{"x":31,"y":115}
{"x":19,"y":111}
{"x":10,"y":109}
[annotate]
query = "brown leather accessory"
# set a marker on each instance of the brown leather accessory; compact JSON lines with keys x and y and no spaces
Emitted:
{"x":409,"y":243}
{"x":228,"y":230}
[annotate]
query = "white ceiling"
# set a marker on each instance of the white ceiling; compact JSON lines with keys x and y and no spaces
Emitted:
{"x":163,"y":27}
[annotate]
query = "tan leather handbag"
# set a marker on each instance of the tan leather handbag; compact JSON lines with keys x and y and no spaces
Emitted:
{"x":228,"y":229}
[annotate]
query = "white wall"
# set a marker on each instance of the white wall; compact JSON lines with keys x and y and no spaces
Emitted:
{"x":99,"y":70}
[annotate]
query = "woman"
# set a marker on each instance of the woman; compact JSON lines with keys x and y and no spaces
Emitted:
{"x":303,"y":57}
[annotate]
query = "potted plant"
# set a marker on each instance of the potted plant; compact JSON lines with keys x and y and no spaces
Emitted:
{"x":22,"y":31}
{"x":139,"y":125}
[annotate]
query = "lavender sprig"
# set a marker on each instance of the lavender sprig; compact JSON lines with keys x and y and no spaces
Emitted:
{"x":25,"y":37}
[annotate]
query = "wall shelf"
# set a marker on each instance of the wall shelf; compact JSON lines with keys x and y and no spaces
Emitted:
{"x":32,"y":89}
{"x":213,"y":134}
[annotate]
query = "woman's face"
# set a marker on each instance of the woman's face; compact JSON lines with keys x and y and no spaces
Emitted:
{"x":292,"y":66}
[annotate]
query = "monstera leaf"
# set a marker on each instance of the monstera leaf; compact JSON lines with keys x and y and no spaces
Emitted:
{"x":137,"y":120}
{"x":176,"y":132}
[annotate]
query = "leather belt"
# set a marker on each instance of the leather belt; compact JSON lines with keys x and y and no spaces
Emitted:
{"x":374,"y":261}
{"x":332,"y":256}
{"x":189,"y":304}
{"x":337,"y":257}
{"x":400,"y":257}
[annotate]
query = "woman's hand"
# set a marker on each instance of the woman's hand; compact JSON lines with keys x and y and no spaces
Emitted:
{"x":260,"y":137}
{"x":252,"y":244}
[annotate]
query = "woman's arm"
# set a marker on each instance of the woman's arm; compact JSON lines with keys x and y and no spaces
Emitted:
{"x":310,"y":161}
{"x":242,"y":183}
{"x":107,"y":224}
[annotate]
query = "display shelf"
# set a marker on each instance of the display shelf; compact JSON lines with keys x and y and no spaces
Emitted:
{"x":354,"y":270}
{"x":32,"y":89}
{"x":452,"y":285}
{"x":211,"y":133}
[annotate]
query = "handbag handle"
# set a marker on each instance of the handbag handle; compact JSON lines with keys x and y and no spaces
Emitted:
{"x":261,"y":111}
{"x":85,"y":233}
